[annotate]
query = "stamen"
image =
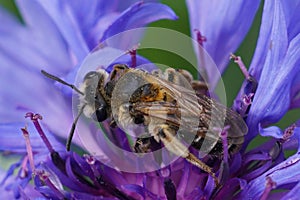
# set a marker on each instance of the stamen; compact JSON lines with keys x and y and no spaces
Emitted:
{"x":245,"y":104}
{"x":202,"y":58}
{"x":224,"y":170}
{"x":34,"y":118}
{"x":249,"y":88}
{"x":132,"y":53}
{"x":28,"y":148}
{"x":270,"y":184}
{"x":24,"y":167}
{"x":238,"y":60}
{"x":224,"y":135}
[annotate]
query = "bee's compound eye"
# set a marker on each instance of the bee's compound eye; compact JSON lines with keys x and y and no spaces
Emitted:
{"x":100,"y":115}
{"x":90,"y":75}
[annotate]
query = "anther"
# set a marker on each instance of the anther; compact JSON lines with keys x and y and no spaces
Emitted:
{"x":288,"y":132}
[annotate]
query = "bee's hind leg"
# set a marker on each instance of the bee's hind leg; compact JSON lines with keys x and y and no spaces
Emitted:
{"x":168,"y":138}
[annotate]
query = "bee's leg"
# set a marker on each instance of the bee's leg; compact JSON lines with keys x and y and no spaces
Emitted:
{"x":167,"y":136}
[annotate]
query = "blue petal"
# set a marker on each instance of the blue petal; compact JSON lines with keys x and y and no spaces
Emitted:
{"x":11,"y":139}
{"x":224,"y":24}
{"x":272,"y":131}
{"x":29,"y":44}
{"x":272,"y":98}
{"x":284,"y":173}
{"x":291,"y":8}
{"x":81,"y":24}
{"x":295,"y":192}
{"x":138,"y":15}
{"x":33,"y":93}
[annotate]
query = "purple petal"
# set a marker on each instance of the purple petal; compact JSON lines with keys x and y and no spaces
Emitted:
{"x":136,"y":189}
{"x":230,"y":188}
{"x":224,"y":24}
{"x":138,"y":15}
{"x":73,"y":177}
{"x":254,"y":173}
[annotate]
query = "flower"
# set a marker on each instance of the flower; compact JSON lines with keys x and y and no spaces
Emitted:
{"x":269,"y":91}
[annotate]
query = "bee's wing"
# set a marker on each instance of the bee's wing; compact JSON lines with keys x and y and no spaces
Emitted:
{"x":209,"y":113}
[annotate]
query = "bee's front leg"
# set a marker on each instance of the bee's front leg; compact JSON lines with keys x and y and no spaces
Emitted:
{"x":167,"y":136}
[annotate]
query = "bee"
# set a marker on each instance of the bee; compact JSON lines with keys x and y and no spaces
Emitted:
{"x":170,"y":105}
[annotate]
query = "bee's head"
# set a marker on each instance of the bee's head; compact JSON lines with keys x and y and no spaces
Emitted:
{"x":92,"y":102}
{"x":94,"y":95}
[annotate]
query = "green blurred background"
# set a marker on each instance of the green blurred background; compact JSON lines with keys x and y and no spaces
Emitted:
{"x":232,"y":77}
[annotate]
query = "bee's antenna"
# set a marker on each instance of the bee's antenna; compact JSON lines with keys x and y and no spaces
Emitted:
{"x":68,"y":144}
{"x":61,"y":81}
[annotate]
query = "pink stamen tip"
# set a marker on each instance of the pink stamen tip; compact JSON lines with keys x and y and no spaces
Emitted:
{"x":200,"y":38}
{"x":43,"y":175}
{"x":89,"y":159}
{"x":247,"y":99}
{"x":240,"y":63}
{"x":270,"y":184}
{"x":33,"y":116}
{"x":28,"y":148}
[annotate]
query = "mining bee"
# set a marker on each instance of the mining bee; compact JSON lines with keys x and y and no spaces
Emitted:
{"x":170,"y":105}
